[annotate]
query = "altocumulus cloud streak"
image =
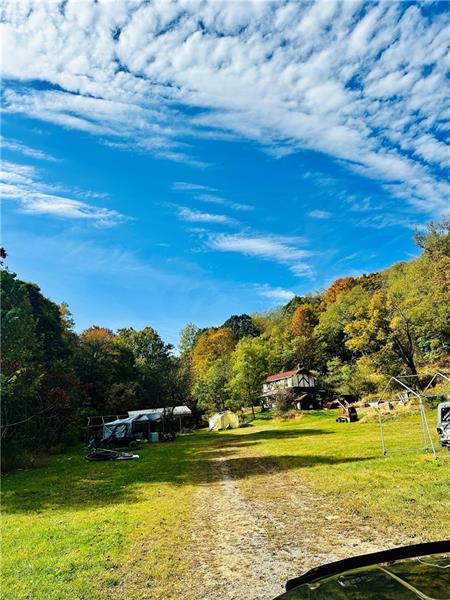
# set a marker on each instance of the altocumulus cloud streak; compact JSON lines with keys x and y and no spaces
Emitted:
{"x":364,"y":83}
{"x":22,"y":184}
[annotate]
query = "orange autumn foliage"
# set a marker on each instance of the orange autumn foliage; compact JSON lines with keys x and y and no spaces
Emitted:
{"x":337,"y":287}
{"x":302,"y":321}
{"x":96,"y":335}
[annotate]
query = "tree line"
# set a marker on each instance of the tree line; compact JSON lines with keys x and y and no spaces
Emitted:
{"x":53,"y":378}
{"x":352,"y":335}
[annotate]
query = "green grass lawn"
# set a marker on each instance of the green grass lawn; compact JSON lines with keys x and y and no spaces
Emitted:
{"x":71,"y":528}
{"x":77,"y":530}
{"x":406,"y":489}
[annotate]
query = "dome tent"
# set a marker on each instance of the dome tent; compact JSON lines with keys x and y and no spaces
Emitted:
{"x":223,"y":420}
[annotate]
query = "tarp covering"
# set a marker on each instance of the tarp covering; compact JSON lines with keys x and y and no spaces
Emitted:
{"x":223,"y":420}
{"x":120,"y":428}
{"x":176,"y":411}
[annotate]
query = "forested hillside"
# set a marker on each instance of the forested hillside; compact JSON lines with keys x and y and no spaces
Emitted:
{"x":353,"y":335}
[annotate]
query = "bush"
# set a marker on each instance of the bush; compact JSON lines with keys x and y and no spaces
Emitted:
{"x":283,"y":403}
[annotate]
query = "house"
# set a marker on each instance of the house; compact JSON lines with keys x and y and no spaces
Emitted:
{"x":299,"y":381}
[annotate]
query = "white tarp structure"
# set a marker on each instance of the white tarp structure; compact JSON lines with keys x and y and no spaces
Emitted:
{"x":121,"y":427}
{"x":176,"y":411}
{"x":223,"y":420}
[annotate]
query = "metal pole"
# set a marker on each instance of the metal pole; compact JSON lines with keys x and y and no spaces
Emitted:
{"x":383,"y":447}
{"x":433,"y":378}
{"x":428,"y":432}
{"x":424,"y":427}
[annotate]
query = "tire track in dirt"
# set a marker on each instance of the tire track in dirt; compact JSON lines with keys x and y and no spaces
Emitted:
{"x":234,"y":559}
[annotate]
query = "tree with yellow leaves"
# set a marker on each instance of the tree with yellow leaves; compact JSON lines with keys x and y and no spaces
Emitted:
{"x":211,"y":345}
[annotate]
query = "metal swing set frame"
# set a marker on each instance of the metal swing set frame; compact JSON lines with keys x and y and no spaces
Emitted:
{"x":428,"y":444}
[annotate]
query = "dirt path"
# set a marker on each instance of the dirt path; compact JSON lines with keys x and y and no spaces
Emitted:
{"x":251,"y":534}
{"x":235,"y":559}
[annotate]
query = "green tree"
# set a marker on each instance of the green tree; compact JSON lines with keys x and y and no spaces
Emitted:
{"x":250,"y":362}
{"x":153,"y":362}
{"x":330,"y":334}
{"x":102,"y":363}
{"x":188,"y":337}
{"x":241,"y":326}
{"x":211,"y":389}
{"x":435,"y":241}
{"x":38,"y":382}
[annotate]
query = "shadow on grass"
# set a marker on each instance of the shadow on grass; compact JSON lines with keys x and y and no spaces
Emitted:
{"x":268,"y":434}
{"x":250,"y":466}
{"x":71,"y":483}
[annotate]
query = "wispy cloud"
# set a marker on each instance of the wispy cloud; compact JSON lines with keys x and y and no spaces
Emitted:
{"x":16,"y":146}
{"x":319,"y":214}
{"x":213,"y":199}
{"x":22,"y":184}
{"x":281,"y":249}
{"x":191,"y":187}
{"x":367,"y":86}
{"x":270,"y":247}
{"x":389,"y":220}
{"x":274,"y":293}
{"x":204,"y":194}
{"x":301,"y":269}
{"x":196,"y":216}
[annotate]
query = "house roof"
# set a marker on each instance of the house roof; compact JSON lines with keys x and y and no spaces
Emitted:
{"x":283,"y":375}
{"x":286,"y":374}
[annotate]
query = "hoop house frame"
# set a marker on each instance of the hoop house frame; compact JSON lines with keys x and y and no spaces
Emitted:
{"x":428,"y":444}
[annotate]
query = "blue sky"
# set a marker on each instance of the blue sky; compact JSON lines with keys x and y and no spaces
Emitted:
{"x":175,"y":162}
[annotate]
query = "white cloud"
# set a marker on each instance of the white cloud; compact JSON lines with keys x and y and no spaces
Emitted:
{"x":191,"y":187}
{"x":274,"y":293}
{"x":16,"y":146}
{"x":208,"y":197}
{"x":281,"y":249}
{"x":367,"y":86}
{"x":196,"y":216}
{"x":301,"y":269}
{"x":213,"y":199}
{"x":21,"y":184}
{"x":319,"y":214}
{"x":270,"y":247}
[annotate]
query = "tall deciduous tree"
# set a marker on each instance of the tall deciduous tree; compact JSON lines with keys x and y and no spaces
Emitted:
{"x":188,"y":337}
{"x":211,"y":345}
{"x":242,"y":326}
{"x":38,"y":382}
{"x":344,"y":284}
{"x":250,"y":366}
{"x":211,"y":389}
{"x":153,"y":361}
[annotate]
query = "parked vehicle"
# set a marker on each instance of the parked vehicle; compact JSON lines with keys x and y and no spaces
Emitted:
{"x":443,"y":424}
